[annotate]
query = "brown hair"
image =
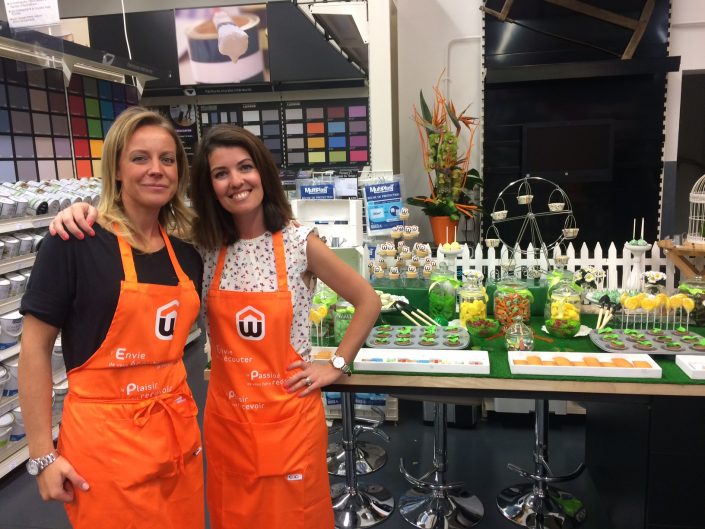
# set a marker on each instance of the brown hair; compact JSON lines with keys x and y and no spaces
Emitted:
{"x":214,"y":226}
{"x":173,"y":216}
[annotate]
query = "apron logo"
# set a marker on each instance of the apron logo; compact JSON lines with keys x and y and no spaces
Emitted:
{"x":294,"y":477}
{"x":166,"y":320}
{"x":250,"y":324}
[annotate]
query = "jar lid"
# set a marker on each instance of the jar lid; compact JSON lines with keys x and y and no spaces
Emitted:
{"x":7,"y":420}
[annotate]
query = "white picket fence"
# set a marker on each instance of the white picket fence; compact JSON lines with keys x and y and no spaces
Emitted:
{"x":616,"y":266}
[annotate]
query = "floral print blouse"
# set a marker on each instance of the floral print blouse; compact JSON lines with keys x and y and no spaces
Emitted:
{"x":249,"y":266}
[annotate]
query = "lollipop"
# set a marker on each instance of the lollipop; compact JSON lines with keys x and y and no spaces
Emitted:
{"x":688,"y":305}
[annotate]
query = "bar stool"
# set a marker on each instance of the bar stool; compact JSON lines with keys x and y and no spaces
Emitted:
{"x":357,"y":505}
{"x":433,"y":503}
{"x":537,"y":504}
{"x":369,"y":457}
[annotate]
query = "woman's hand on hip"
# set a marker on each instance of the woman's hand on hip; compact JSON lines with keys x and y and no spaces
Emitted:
{"x":310,"y":376}
{"x":76,"y":220}
{"x":59,"y":480}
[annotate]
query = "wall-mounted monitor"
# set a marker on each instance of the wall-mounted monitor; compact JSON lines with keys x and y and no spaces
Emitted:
{"x":569,"y":151}
{"x":222,"y":45}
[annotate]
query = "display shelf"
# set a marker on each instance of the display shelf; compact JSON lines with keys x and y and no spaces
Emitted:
{"x":11,"y":351}
{"x":25,"y":223}
{"x":15,"y":454}
{"x":195,"y":333}
{"x":9,"y":403}
{"x":17,"y":263}
{"x":390,"y":409}
{"x":10,"y":304}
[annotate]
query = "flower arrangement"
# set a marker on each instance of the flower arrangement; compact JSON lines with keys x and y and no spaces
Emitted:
{"x":447,"y":165}
{"x":589,"y":277}
{"x":653,"y":277}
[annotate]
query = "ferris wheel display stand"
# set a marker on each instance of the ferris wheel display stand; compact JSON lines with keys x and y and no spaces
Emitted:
{"x":529,"y":215}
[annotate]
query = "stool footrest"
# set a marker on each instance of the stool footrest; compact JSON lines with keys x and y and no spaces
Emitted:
{"x":546,"y":479}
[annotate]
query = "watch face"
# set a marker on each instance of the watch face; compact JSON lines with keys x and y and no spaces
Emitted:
{"x":338,"y":362}
{"x":32,"y":467}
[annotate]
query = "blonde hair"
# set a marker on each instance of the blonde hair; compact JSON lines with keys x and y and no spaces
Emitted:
{"x":174,"y":216}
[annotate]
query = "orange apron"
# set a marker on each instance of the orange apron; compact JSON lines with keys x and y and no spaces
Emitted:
{"x":265,"y":448}
{"x":129,"y":423}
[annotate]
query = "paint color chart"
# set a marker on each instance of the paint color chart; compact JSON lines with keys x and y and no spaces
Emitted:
{"x":261,"y":119}
{"x":326,"y":132}
{"x":93,"y":106}
{"x":35,"y":141}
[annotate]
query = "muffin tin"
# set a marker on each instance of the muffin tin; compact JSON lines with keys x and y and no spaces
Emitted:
{"x":416,"y":335}
{"x":689,"y":346}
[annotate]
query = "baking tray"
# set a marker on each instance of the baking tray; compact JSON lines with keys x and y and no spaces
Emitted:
{"x":692,"y":365}
{"x":653,"y":371}
{"x":415,"y":335}
{"x":422,"y":361}
{"x":659,"y":347}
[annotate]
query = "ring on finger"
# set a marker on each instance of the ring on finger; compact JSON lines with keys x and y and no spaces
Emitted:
{"x":308,"y":381}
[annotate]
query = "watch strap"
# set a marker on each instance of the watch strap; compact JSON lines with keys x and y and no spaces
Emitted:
{"x":44,"y":461}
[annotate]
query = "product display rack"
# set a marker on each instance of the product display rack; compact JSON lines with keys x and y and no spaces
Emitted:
{"x":15,"y":454}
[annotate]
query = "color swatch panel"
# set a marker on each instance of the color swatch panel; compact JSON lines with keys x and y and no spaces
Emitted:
{"x":211,"y":115}
{"x":93,"y":106}
{"x":326,"y":132}
{"x":263,"y":120}
{"x":35,"y":143}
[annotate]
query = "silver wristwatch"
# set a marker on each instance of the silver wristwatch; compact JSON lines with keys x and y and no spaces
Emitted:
{"x":35,"y":466}
{"x":339,"y":362}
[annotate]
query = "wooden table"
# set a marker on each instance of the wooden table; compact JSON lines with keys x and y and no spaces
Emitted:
{"x":679,"y":254}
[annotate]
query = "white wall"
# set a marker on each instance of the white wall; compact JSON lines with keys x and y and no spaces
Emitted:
{"x":687,"y":39}
{"x":426,"y":29}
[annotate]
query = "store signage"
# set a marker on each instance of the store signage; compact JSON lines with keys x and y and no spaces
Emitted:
{"x":30,"y":13}
{"x":321,"y":191}
{"x":383,"y":205}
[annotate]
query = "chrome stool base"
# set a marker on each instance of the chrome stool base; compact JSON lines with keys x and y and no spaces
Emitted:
{"x":451,"y":509}
{"x":370,"y":458}
{"x":363,"y":506}
{"x":561,"y":510}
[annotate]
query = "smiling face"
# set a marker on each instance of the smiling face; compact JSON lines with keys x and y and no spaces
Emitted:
{"x":237,"y":186}
{"x":147,"y":170}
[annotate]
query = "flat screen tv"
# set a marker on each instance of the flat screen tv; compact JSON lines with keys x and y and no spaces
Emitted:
{"x":569,"y":151}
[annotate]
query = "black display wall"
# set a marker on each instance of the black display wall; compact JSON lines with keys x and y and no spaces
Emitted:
{"x":533,"y":77}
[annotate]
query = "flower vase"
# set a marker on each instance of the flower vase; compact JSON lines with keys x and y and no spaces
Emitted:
{"x":443,"y":228}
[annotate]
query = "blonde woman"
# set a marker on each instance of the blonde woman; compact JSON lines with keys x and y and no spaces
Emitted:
{"x":129,"y":451}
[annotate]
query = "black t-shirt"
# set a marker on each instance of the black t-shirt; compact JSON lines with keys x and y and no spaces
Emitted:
{"x":75,"y":286}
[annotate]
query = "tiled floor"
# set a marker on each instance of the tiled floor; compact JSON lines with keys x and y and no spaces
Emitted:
{"x":477,"y":456}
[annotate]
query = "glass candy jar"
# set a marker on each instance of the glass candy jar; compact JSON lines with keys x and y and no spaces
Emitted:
{"x":473,"y":301}
{"x":512,"y":298}
{"x":442,"y":294}
{"x":341,"y":319}
{"x":519,"y":336}
{"x":694,"y":288}
{"x":562,"y":312}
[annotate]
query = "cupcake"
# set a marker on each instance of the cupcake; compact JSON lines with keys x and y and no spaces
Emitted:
{"x":617,"y":344}
{"x":700,"y":346}
{"x":673,"y":346}
{"x":636,"y":337}
{"x":394,"y":273}
{"x":411,"y":272}
{"x":451,"y":330}
{"x":403,"y":341}
{"x":610,"y":336}
{"x":408,"y":233}
{"x":404,"y":213}
{"x":397,"y":232}
{"x":655,"y":332}
{"x":427,"y":340}
{"x":690,"y":338}
{"x":644,"y":345}
{"x":605,"y":330}
{"x":452,"y":340}
{"x":378,"y":272}
{"x":405,"y":253}
{"x":422,"y":250}
{"x":681,"y":331}
{"x":404,"y":331}
{"x":629,"y":332}
{"x":381,"y":340}
{"x":663,"y":339}
{"x":384,"y":328}
{"x":427,"y":271}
